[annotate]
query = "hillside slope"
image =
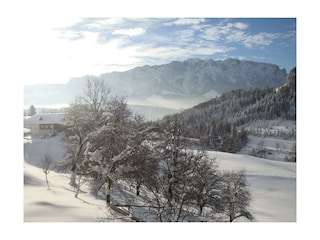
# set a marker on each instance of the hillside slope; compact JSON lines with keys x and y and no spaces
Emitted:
{"x":273,"y":186}
{"x":222,"y":118}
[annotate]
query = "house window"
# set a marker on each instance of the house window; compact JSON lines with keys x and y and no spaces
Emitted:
{"x":44,"y":126}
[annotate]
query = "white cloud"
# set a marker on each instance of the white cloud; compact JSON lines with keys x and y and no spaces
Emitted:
{"x":210,"y":50}
{"x":186,"y":21}
{"x":260,"y":39}
{"x":236,"y":36}
{"x":184,"y":36}
{"x":237,"y":33}
{"x":212,"y":33}
{"x":57,"y":59}
{"x":241,"y":26}
{"x":176,"y":52}
{"x":228,"y":31}
{"x":101,"y":24}
{"x":129,"y":32}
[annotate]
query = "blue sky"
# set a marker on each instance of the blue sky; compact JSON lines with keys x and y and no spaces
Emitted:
{"x":84,"y":46}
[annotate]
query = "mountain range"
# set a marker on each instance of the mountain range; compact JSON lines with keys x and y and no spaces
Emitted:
{"x":176,"y":85}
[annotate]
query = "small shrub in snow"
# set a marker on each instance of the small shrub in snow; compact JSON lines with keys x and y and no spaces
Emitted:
{"x":45,"y":164}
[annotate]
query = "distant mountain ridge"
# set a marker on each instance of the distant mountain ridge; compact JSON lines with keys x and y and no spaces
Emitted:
{"x":192,"y":78}
{"x":196,"y":77}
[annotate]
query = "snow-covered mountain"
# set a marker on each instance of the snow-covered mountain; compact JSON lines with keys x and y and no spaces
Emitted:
{"x":194,"y":80}
{"x":195,"y":77}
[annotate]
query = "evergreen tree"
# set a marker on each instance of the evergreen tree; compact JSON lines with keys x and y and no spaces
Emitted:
{"x":32,"y":110}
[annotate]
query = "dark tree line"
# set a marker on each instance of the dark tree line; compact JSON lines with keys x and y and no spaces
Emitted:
{"x":223,"y":136}
{"x":110,"y":149}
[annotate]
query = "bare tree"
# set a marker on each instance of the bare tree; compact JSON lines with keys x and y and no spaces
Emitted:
{"x":95,"y":97}
{"x":261,"y":150}
{"x":81,"y":119}
{"x":184,"y":180}
{"x":277,"y":145}
{"x":80,"y":180}
{"x":45,"y":164}
{"x":236,"y":196}
{"x":141,"y":167}
{"x":98,"y":137}
{"x":109,"y":146}
{"x":291,"y":156}
{"x":206,"y":181}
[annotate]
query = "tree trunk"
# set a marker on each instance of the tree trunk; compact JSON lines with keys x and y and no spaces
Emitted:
{"x":108,"y":194}
{"x":200,"y":209}
{"x":77,"y":191}
{"x":47,"y":181}
{"x":95,"y":187}
{"x":231,"y":216}
{"x":73,"y":179}
{"x":138,"y":189}
{"x":170,"y":195}
{"x":177,"y":215}
{"x":200,"y":204}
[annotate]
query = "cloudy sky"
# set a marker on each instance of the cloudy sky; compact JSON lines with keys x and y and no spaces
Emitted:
{"x":66,"y":48}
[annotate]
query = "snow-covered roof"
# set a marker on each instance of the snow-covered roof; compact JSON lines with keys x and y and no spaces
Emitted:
{"x":48,"y":118}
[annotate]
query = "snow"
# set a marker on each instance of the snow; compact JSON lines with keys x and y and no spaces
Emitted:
{"x":278,"y":136}
{"x":270,"y":144}
{"x":36,"y":148}
{"x":26,"y":130}
{"x":58,"y":203}
{"x":273,"y":186}
{"x":46,"y":118}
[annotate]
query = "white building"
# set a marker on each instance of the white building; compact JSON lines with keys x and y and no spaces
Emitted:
{"x":44,"y":125}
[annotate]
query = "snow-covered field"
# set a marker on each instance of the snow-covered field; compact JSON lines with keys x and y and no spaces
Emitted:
{"x":277,"y":137}
{"x":276,"y":148}
{"x":273,"y":185}
{"x":58,"y":203}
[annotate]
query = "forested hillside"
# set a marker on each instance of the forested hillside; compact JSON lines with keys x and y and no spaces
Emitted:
{"x":218,"y":123}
